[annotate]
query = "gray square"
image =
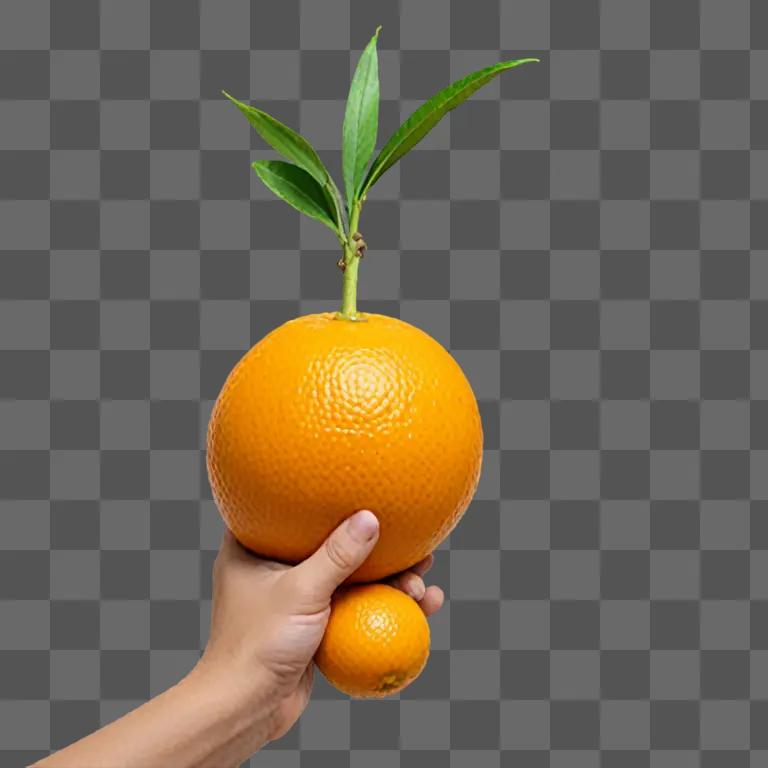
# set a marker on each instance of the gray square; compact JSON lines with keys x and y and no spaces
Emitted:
{"x":475,"y":675}
{"x":725,"y":224}
{"x":675,"y":174}
{"x":524,"y":424}
{"x":425,"y":225}
{"x":124,"y":325}
{"x":675,"y":575}
{"x":124,"y":525}
{"x":675,"y":424}
{"x":725,"y":625}
{"x":424,"y":725}
{"x":625,"y":525}
{"x":574,"y":74}
{"x":625,"y":125}
{"x":475,"y":174}
{"x":124,"y":74}
{"x":475,"y":725}
{"x":525,"y":725}
{"x":625,"y":424}
{"x":483,"y":17}
{"x":724,"y":424}
{"x":124,"y":27}
{"x":724,"y":30}
{"x":625,"y":675}
{"x":675,"y":74}
{"x":524,"y":125}
{"x":574,"y":374}
{"x":75,"y":74}
{"x":725,"y":525}
{"x":574,"y":575}
{"x":573,"y":675}
{"x":525,"y":225}
{"x":25,"y":725}
{"x":724,"y":125}
{"x":625,"y":625}
{"x":574,"y":174}
{"x":124,"y":124}
{"x":475,"y":575}
{"x":625,"y":725}
{"x":524,"y":25}
{"x":74,"y":174}
{"x":674,"y":725}
{"x":625,"y":325}
{"x":25,"y":525}
{"x":524,"y":625}
{"x":26,"y":124}
{"x":74,"y":575}
{"x":74,"y":675}
{"x":575,"y":724}
{"x":325,"y":725}
{"x":174,"y":24}
{"x":675,"y":474}
{"x":75,"y":26}
{"x":524,"y":325}
{"x":624,"y":224}
{"x":574,"y":28}
{"x":225,"y":24}
{"x":124,"y":425}
{"x":124,"y":625}
{"x":25,"y":25}
{"x":474,"y":274}
{"x":175,"y":75}
{"x":74,"y":474}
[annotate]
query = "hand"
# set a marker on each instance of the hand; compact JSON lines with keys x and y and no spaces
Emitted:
{"x":268,"y":618}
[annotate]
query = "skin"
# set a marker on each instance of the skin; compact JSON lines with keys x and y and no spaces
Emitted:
{"x":254,"y":678}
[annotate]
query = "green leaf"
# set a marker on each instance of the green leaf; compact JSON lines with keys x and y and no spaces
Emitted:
{"x":291,"y":145}
{"x":428,"y":115}
{"x":299,"y":189}
{"x":361,"y":120}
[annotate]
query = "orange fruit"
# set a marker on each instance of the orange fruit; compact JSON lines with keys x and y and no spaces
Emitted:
{"x":325,"y":416}
{"x":376,"y":642}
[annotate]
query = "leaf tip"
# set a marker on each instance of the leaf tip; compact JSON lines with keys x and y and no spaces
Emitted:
{"x":376,"y":33}
{"x":231,"y":98}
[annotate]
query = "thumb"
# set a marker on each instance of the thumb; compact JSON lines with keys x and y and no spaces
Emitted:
{"x":342,"y":553}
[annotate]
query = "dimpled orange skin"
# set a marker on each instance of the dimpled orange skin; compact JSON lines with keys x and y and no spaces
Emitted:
{"x":325,"y":416}
{"x":376,"y":642}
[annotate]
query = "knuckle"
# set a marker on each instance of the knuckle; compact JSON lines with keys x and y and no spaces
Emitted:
{"x":337,"y":553}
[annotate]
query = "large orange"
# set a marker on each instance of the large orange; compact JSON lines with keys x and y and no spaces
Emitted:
{"x":376,"y":642}
{"x":327,"y":415}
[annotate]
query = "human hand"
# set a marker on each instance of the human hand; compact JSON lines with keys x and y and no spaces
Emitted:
{"x":268,"y":618}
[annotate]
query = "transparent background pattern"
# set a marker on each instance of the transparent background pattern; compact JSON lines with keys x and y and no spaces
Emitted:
{"x":589,"y":237}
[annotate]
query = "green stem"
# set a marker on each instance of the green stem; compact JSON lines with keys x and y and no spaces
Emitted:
{"x":351,"y":264}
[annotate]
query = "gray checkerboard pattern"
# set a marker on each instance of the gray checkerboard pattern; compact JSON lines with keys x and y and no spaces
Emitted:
{"x":589,"y":236}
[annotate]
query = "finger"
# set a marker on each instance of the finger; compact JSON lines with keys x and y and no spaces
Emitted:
{"x":432,"y":601}
{"x":343,"y":552}
{"x":423,"y":565}
{"x":410,"y":583}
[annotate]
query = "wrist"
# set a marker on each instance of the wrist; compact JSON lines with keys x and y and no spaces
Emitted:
{"x":243,"y":702}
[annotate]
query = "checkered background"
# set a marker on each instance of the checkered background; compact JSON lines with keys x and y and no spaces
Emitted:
{"x":589,"y":236}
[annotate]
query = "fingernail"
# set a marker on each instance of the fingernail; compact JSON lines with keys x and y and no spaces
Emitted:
{"x":363,"y":526}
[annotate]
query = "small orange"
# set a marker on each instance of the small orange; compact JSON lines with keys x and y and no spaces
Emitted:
{"x":376,"y":642}
{"x":327,"y":415}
